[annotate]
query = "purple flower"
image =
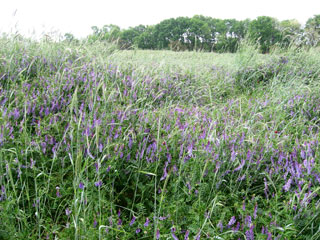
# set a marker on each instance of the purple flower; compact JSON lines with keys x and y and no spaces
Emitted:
{"x":100,"y":147}
{"x":146,"y":224}
{"x":119,"y":222}
{"x":269,"y":236}
{"x":89,"y":154}
{"x":233,"y":156}
{"x":98,"y":184}
{"x":190,"y":148}
{"x":81,"y":185}
{"x":165,"y":174}
{"x":287,"y":186}
{"x":132,"y":220}
{"x":162,"y":218}
{"x":138,"y":230}
{"x":58,"y":192}
{"x":198,"y":236}
{"x":97,"y":167}
{"x":250,"y":234}
{"x":174,"y":236}
{"x":307,"y":165}
{"x":255,"y":211}
{"x":158,"y":234}
{"x":130,"y":142}
{"x":240,"y":166}
{"x":68,"y":211}
{"x":95,"y":223}
{"x":32,"y":163}
{"x":266,"y":187}
{"x":232,"y":221}
{"x":186,"y":236}
{"x":220,"y":225}
{"x":236,"y":228}
{"x":248,"y":221}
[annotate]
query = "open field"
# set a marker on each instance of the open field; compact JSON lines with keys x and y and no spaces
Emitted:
{"x":97,"y":143}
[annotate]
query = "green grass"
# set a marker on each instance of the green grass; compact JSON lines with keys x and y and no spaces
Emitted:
{"x":97,"y":143}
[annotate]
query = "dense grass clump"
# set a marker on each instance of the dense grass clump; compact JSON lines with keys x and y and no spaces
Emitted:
{"x":97,"y":143}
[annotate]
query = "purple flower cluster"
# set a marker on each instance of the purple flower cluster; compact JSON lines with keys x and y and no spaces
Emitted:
{"x":114,"y":130}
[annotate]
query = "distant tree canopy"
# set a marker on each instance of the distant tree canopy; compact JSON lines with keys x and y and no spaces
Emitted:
{"x":265,"y":31}
{"x":313,"y":30}
{"x":210,"y":34}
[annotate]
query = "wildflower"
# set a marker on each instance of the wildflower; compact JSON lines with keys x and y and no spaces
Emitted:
{"x":81,"y":185}
{"x":250,"y":234}
{"x":58,"y":192}
{"x":220,"y":225}
{"x":100,"y":147}
{"x":269,"y":236}
{"x":68,"y":212}
{"x":240,"y":166}
{"x":98,"y":184}
{"x":236,"y":228}
{"x":119,"y":222}
{"x":287,"y":186}
{"x":95,"y":223}
{"x":130,"y":142}
{"x":132,"y":220}
{"x":146,"y":224}
{"x":32,"y":163}
{"x":174,"y":236}
{"x":233,"y":156}
{"x":265,"y":187}
{"x":89,"y":154}
{"x":158,"y":234}
{"x":232,"y":221}
{"x":248,"y":221}
{"x":186,"y":236}
{"x":138,"y":230}
{"x":97,"y":165}
{"x":255,"y":211}
{"x":165,"y":174}
{"x":198,"y":236}
{"x":244,"y":205}
{"x":162,"y":218}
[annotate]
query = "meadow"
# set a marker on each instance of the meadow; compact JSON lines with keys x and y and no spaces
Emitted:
{"x":98,"y":143}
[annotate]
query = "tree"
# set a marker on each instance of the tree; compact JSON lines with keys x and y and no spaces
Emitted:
{"x":171,"y":30}
{"x":147,"y":40}
{"x":108,"y":33}
{"x":130,"y":36}
{"x":69,"y":37}
{"x":264,"y":30}
{"x":197,"y":33}
{"x":291,"y":31}
{"x":312,"y":30}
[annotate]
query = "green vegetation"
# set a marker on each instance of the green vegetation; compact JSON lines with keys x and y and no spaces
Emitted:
{"x":201,"y":33}
{"x":98,"y":143}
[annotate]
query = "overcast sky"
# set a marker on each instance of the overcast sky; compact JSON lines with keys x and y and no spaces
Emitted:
{"x":77,"y":16}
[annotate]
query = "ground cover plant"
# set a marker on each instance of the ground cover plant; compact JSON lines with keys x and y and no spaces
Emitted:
{"x":97,"y":143}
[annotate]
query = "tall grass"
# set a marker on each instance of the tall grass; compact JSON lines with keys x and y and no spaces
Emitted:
{"x":98,"y":143}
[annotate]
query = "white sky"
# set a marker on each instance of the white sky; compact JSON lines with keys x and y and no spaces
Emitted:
{"x":77,"y":16}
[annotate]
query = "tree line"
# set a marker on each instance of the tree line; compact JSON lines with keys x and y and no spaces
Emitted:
{"x":209,"y":34}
